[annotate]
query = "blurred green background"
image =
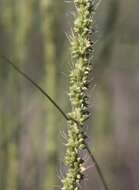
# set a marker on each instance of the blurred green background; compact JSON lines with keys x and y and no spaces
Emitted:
{"x":33,"y":35}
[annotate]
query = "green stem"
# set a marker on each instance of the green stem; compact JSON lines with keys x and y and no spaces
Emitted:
{"x":35,"y":84}
{"x":68,"y":118}
{"x":97,"y":168}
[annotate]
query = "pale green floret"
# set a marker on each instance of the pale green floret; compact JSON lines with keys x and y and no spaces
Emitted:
{"x":81,"y":51}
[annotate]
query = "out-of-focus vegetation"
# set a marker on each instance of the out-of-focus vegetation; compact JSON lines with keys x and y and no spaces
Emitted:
{"x":32,"y":34}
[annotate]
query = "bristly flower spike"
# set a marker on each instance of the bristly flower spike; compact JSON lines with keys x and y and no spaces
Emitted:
{"x":81,"y":52}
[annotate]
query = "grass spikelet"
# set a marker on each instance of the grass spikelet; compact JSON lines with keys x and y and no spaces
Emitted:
{"x":81,"y":52}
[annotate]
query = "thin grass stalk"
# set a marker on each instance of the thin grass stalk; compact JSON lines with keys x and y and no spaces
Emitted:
{"x":68,"y":118}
